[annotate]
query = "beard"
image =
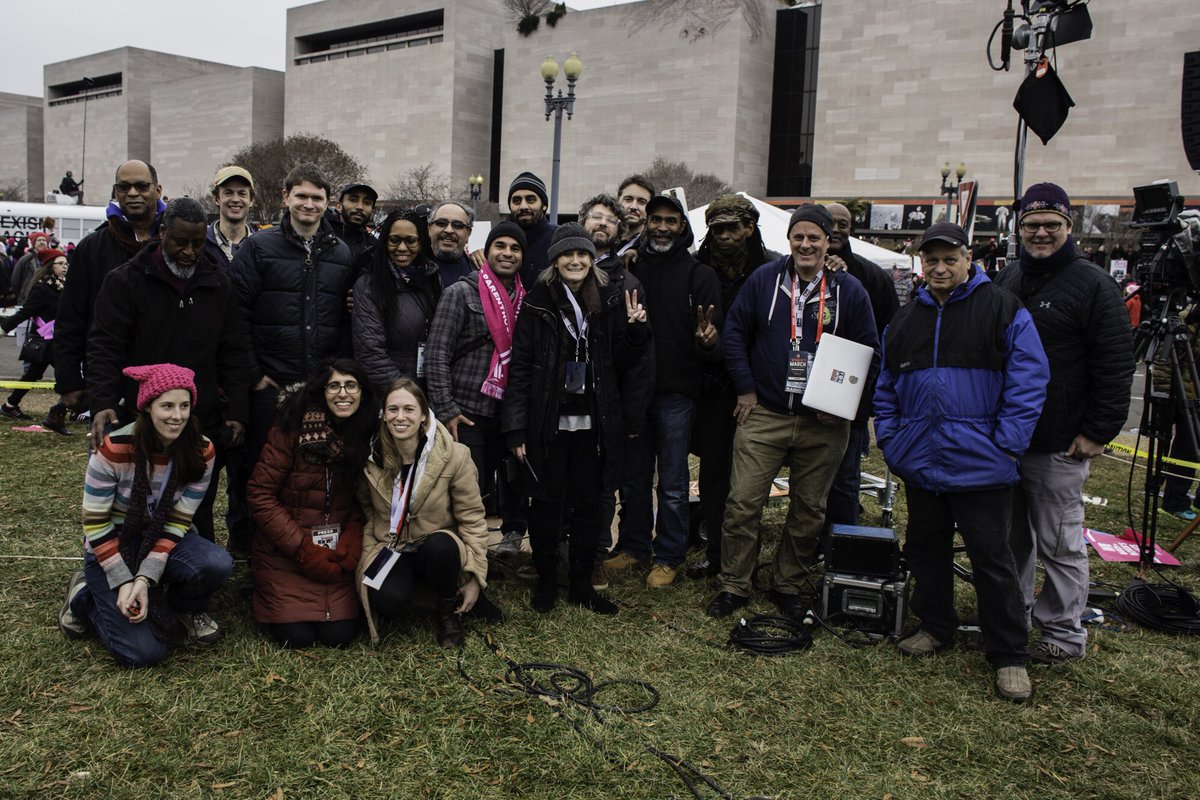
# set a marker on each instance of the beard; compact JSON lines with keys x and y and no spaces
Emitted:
{"x":183,"y":273}
{"x":656,"y":245}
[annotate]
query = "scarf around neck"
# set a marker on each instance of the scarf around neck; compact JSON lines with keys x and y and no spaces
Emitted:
{"x":500,"y":312}
{"x":319,"y":443}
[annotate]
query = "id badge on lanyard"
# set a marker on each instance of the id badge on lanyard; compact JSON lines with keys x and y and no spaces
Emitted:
{"x":327,"y":535}
{"x":420,"y":359}
{"x":799,"y":360}
{"x":575,"y":374}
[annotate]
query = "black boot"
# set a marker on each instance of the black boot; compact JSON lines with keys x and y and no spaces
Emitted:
{"x":486,"y":610}
{"x":582,"y":594}
{"x":447,"y":625}
{"x":545,"y":559}
{"x":56,"y":420}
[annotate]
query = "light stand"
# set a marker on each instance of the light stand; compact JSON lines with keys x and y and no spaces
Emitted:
{"x":950,"y":190}
{"x":476,"y":184}
{"x":556,"y":105}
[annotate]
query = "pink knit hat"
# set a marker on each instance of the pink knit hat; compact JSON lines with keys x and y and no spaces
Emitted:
{"x":156,"y":379}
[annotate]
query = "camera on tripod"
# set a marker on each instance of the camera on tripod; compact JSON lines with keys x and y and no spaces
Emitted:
{"x":1170,"y":242}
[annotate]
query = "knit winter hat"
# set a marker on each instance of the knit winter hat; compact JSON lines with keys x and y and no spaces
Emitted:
{"x":49,"y":254}
{"x":33,"y":237}
{"x":571,"y":236}
{"x":156,"y":379}
{"x":510,"y":229}
{"x":816,"y":214}
{"x":527,"y":180}
{"x":1045,"y":197}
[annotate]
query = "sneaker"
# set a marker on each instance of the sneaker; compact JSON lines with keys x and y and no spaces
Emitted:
{"x":1013,"y":684}
{"x":1187,"y":515}
{"x":661,"y":576}
{"x":702,"y":569}
{"x":1049,"y":653}
{"x":921,"y":643}
{"x":622,"y":560}
{"x":59,"y":426}
{"x":200,"y":627}
{"x":599,"y":577}
{"x":72,"y":626}
{"x":13,"y":412}
{"x":509,"y":545}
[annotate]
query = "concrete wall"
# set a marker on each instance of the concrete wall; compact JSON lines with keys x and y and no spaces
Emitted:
{"x":21,"y":143}
{"x":118,"y":127}
{"x":904,"y":86}
{"x":190,"y":137}
{"x":643,"y":93}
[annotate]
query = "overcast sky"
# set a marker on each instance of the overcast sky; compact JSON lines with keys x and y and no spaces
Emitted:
{"x":242,"y":33}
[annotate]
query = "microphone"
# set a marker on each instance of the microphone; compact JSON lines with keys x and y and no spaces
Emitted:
{"x":1006,"y":37}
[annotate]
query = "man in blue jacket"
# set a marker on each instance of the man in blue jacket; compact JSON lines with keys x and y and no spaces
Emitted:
{"x":770,"y":338}
{"x":960,"y":390}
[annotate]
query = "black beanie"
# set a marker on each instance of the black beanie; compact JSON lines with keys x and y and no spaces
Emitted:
{"x":510,"y":229}
{"x":527,"y":180}
{"x":571,"y":236}
{"x":814,"y":213}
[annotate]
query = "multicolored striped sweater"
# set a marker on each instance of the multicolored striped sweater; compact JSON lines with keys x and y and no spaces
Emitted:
{"x":106,"y":490}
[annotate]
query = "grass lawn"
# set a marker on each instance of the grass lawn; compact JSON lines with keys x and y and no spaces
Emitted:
{"x":248,"y":719}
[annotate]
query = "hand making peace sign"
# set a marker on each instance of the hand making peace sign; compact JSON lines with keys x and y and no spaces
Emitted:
{"x":706,"y":332}
{"x":635,"y":310}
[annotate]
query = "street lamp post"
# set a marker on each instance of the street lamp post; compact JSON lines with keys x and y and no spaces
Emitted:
{"x":476,"y":184}
{"x":88,"y":83}
{"x":951,"y":189}
{"x":555,"y":105}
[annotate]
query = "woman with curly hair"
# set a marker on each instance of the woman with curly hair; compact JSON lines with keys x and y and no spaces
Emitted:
{"x":309,"y":531}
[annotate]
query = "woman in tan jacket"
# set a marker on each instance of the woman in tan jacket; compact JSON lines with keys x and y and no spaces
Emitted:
{"x":425,"y":520}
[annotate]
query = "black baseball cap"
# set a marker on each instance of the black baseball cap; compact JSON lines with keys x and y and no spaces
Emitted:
{"x":946,"y":232}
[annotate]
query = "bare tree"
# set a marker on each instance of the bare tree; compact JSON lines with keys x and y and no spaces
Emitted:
{"x":269,"y":162}
{"x":12,"y":190}
{"x":526,"y":13}
{"x":700,"y":187}
{"x":417,"y":186}
{"x":699,"y":18}
{"x":201,"y":192}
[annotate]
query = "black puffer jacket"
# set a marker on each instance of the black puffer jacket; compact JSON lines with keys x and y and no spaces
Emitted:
{"x":1085,"y":331}
{"x":142,"y":319}
{"x":389,"y":351}
{"x":529,"y":414}
{"x":293,"y":300}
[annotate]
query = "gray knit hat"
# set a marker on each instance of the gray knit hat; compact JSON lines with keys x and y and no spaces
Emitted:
{"x":527,"y":180}
{"x":571,"y":236}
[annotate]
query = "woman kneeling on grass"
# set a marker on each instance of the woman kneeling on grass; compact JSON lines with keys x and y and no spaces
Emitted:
{"x":142,"y":486}
{"x":425,"y":520}
{"x":309,"y":535}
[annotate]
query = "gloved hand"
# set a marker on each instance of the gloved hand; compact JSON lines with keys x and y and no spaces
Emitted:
{"x":315,"y":564}
{"x":349,"y":549}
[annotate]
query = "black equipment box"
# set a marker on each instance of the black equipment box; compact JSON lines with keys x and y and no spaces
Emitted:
{"x":873,"y":605}
{"x":857,"y":550}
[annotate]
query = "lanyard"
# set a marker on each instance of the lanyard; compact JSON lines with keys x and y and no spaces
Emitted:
{"x":798,"y":307}
{"x":578,"y":334}
{"x":400,"y":497}
{"x":152,"y":502}
{"x":328,"y":492}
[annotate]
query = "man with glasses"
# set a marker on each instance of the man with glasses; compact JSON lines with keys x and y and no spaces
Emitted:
{"x":1084,"y":328}
{"x":450,"y":227}
{"x":133,"y":220}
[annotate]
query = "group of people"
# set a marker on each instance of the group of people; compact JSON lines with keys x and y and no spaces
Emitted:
{"x":372,"y":399}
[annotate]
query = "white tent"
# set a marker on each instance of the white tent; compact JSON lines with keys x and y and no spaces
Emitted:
{"x":773,"y":222}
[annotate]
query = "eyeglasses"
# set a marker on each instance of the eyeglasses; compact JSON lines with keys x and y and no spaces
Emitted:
{"x":336,"y":387}
{"x":1032,"y":227}
{"x":607,"y":219}
{"x":123,"y":188}
{"x":396,"y":241}
{"x":456,"y":224}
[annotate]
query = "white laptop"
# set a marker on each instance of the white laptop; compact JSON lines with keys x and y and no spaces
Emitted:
{"x":839,"y":373}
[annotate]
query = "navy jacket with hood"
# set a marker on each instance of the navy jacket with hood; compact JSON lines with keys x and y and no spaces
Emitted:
{"x":961,"y":388}
{"x":758,"y":331}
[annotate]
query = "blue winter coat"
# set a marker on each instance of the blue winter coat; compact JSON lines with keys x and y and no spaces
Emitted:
{"x":758,"y":331}
{"x":960,"y":389}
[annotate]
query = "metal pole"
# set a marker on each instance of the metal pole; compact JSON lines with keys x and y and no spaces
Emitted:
{"x":1032,"y":53}
{"x":558,"y":112}
{"x":83,"y":155}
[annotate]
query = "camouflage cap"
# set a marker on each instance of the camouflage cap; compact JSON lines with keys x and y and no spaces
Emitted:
{"x":730,"y":208}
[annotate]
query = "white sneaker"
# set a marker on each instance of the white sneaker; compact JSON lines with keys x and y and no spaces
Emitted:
{"x":200,"y":627}
{"x":72,"y":626}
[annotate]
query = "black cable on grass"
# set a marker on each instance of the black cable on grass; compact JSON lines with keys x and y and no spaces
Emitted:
{"x":1166,"y":607}
{"x":767,"y":635}
{"x":568,"y":683}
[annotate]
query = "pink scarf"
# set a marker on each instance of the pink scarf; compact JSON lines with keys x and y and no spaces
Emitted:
{"x":500,"y":312}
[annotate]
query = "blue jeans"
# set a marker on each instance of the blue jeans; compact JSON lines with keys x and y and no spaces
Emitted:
{"x":665,"y":440}
{"x":195,"y":569}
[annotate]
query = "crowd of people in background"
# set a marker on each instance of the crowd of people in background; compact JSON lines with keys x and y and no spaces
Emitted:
{"x":375,"y":392}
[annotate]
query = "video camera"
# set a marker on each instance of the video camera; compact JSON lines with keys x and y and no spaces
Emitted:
{"x":1169,"y":259}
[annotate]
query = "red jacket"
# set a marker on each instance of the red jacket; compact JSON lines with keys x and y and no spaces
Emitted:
{"x":287,"y":497}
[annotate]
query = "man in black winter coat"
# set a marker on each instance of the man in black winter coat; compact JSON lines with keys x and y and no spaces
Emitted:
{"x":356,"y":206}
{"x":683,"y":297}
{"x":1084,"y":329}
{"x":171,"y":303}
{"x":133,"y":220}
{"x":842,"y":506}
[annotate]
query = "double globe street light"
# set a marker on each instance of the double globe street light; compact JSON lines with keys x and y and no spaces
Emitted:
{"x":556,"y":105}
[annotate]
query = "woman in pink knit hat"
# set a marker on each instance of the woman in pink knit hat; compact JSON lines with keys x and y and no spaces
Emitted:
{"x":143,"y":484}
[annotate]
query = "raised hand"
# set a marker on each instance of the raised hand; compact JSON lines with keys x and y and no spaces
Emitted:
{"x":633,"y":309}
{"x":706,"y":332}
